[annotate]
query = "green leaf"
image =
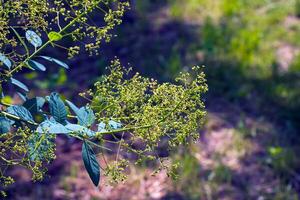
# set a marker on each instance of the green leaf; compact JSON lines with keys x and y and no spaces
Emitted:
{"x":22,"y":96}
{"x":33,"y":38}
{"x":85,"y":116}
{"x":21,"y":112}
{"x":73,"y":107}
{"x":4,"y":125}
{"x":54,"y":36}
{"x":101,"y":127}
{"x":36,"y":65}
{"x":53,"y":127}
{"x":76,"y":128}
{"x":34,"y":105}
{"x":90,"y":163}
{"x":5,"y":60}
{"x":57,"y":108}
{"x":19,"y":84}
{"x":62,"y":64}
{"x":114,"y":125}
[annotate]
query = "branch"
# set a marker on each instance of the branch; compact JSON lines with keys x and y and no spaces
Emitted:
{"x":44,"y":45}
{"x":17,"y":118}
{"x":7,"y":105}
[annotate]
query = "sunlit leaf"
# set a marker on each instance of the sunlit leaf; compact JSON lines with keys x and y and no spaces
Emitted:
{"x":54,"y":36}
{"x":76,"y":128}
{"x":7,"y":99}
{"x":36,"y":65}
{"x":74,"y":108}
{"x":114,"y":125}
{"x":33,"y":38}
{"x":22,"y":96}
{"x":90,"y":163}
{"x":53,"y":127}
{"x":101,"y":127}
{"x":85,"y":116}
{"x":62,"y":64}
{"x":5,"y":61}
{"x":19,"y":84}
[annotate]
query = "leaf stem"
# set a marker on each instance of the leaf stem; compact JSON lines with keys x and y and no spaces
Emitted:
{"x":17,"y":118}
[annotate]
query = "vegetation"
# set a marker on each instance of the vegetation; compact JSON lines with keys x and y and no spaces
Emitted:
{"x":248,"y":145}
{"x":120,"y":103}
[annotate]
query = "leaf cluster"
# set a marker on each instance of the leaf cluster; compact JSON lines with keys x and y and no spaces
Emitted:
{"x":126,"y":113}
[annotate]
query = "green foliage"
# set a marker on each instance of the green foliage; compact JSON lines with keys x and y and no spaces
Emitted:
{"x":54,"y":36}
{"x":5,"y":60}
{"x":51,"y":126}
{"x":33,"y":38}
{"x":146,"y":110}
{"x":175,"y":110}
{"x":4,"y":125}
{"x":19,"y":84}
{"x":90,"y":162}
{"x":57,"y":108}
{"x":238,"y":32}
{"x":36,"y":65}
{"x":297,"y":7}
{"x":283,"y":160}
{"x":60,"y":63}
{"x":20,"y":112}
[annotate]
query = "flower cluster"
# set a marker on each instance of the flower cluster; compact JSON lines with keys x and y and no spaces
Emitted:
{"x":62,"y":19}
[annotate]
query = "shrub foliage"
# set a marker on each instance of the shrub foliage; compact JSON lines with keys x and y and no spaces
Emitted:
{"x":123,"y":109}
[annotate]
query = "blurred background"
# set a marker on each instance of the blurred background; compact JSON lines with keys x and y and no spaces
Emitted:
{"x":249,"y":146}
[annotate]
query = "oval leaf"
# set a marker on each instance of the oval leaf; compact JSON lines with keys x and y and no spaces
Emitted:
{"x":73,"y":107}
{"x":80,"y":129}
{"x":21,"y":112}
{"x":57,"y":108}
{"x":85,"y":116}
{"x":62,"y":64}
{"x":101,"y":127}
{"x":22,"y":96}
{"x":114,"y":125}
{"x":19,"y":84}
{"x":54,"y":36}
{"x":36,"y":65}
{"x":5,"y":61}
{"x":48,"y":126}
{"x":4,"y":125}
{"x":90,"y":163}
{"x":33,"y":38}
